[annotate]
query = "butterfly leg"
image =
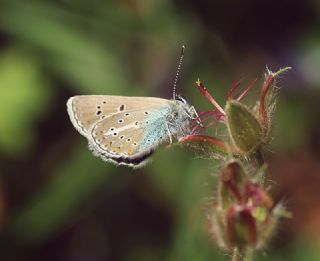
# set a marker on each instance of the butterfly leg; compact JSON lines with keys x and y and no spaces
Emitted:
{"x":169,"y":133}
{"x":192,"y":110}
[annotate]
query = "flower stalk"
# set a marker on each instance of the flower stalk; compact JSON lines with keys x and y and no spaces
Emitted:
{"x":244,"y":216}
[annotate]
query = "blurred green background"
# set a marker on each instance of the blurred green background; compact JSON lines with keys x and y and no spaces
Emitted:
{"x":58,"y":202}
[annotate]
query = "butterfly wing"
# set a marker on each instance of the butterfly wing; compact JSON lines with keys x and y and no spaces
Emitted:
{"x":86,"y":110}
{"x":117,"y":137}
{"x":124,"y":130}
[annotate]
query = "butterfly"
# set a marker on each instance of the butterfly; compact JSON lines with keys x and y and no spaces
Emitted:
{"x":127,"y":130}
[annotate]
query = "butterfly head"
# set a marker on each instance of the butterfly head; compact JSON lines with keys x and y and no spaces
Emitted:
{"x":181,"y":117}
{"x":189,"y":110}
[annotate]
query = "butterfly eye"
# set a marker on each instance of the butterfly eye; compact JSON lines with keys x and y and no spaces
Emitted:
{"x":181,"y":99}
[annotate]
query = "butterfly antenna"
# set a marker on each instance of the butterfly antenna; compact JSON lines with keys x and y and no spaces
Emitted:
{"x":183,"y":47}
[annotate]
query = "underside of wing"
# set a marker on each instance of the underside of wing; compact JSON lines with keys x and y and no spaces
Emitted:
{"x":86,"y":110}
{"x":120,"y":138}
{"x":129,"y":138}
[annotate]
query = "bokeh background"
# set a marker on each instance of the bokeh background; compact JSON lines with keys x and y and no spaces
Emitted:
{"x":58,"y":202}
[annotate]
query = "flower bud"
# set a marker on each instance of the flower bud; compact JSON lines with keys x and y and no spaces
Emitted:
{"x":257,"y":195}
{"x":244,"y":129}
{"x":244,"y":214}
{"x":241,"y":227}
{"x":232,"y":183}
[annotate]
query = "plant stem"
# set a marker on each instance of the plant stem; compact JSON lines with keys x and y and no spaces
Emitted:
{"x":259,"y":158}
{"x":246,"y":255}
{"x":236,"y":255}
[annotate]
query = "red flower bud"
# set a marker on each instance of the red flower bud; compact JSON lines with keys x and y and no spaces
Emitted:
{"x":232,"y":183}
{"x":241,"y":227}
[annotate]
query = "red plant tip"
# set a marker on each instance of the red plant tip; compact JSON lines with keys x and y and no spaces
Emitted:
{"x":233,"y":88}
{"x":246,"y":90}
{"x":207,"y":94}
{"x":205,"y":120}
{"x":265,"y":89}
{"x":243,"y":93}
{"x":269,"y":83}
{"x":216,"y":115}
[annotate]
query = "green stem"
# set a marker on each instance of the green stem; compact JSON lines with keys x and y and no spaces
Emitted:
{"x":248,"y":256}
{"x":245,"y":255}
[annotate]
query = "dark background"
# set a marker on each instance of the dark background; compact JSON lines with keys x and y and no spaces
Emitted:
{"x":58,"y":202}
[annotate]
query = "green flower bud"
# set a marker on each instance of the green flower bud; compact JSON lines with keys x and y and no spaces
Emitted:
{"x":244,"y":129}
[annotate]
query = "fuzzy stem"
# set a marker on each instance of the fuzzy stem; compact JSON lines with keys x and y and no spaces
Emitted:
{"x":245,"y":255}
{"x":248,"y":255}
{"x":265,"y":88}
{"x":236,"y":255}
{"x":281,"y":71}
{"x":263,"y":112}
